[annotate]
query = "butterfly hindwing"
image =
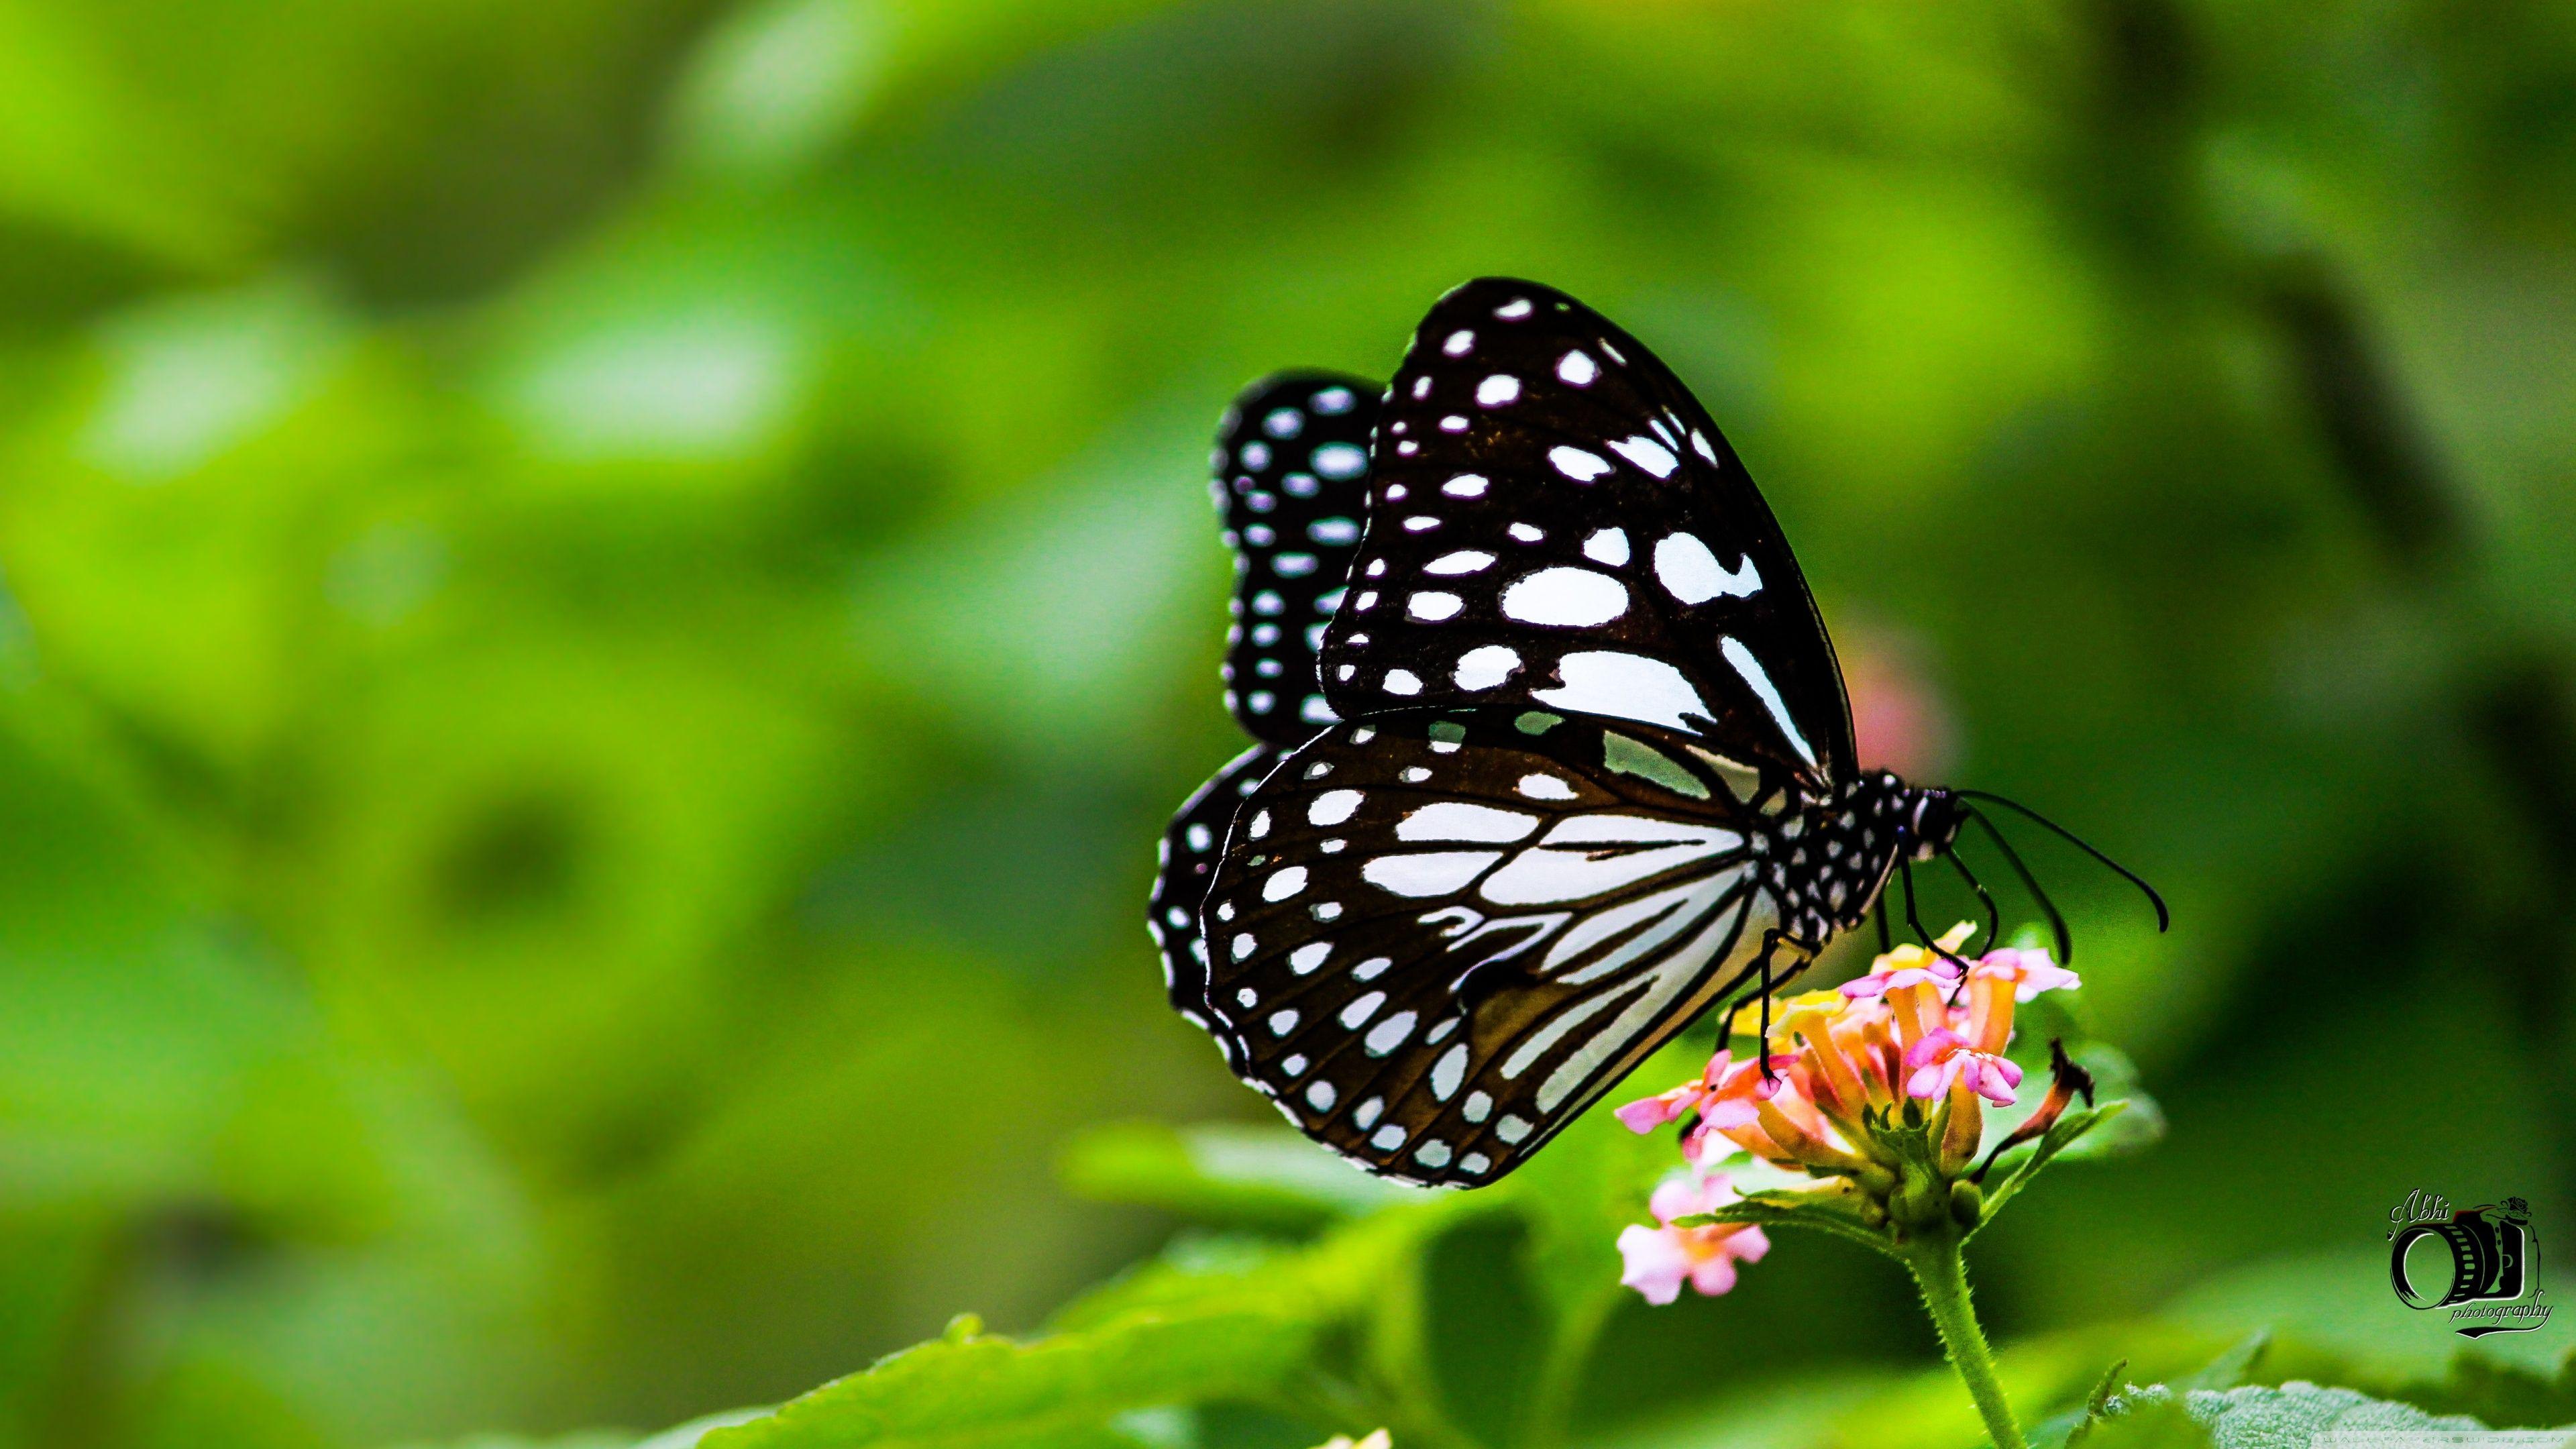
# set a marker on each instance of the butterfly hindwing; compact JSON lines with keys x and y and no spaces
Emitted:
{"x":1555,"y":523}
{"x":1290,"y":474}
{"x":1192,"y":844}
{"x":1434,"y":938}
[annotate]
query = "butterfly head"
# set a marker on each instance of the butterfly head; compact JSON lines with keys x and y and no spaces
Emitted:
{"x":1932,"y":819}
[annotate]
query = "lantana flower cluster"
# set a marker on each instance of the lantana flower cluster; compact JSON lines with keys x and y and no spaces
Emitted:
{"x":1878,"y":1089}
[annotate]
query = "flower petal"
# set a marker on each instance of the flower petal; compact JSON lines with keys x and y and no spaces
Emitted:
{"x":1653,"y":1262}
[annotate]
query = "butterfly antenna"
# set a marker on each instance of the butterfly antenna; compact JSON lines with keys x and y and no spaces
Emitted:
{"x":2030,"y":882}
{"x":2164,"y":918}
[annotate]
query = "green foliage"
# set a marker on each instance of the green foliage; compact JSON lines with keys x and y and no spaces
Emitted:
{"x":1256,"y":1176}
{"x":600,"y":603}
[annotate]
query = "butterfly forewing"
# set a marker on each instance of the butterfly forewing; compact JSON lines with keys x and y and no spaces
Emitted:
{"x":1435,"y":937}
{"x":1290,"y":476}
{"x":1555,"y":523}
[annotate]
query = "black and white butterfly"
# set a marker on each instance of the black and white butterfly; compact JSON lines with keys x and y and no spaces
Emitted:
{"x":1553,"y":749}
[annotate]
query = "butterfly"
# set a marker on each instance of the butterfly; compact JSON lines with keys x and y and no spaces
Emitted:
{"x":1552,"y":748}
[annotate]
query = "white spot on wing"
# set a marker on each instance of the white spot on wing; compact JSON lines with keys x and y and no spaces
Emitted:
{"x":1565,"y":598}
{"x":1628,"y":686}
{"x":1284,"y":883}
{"x":1545,"y":787}
{"x":1608,"y":546}
{"x":1449,"y":1072}
{"x":1465,"y":485}
{"x":1754,"y":675}
{"x":1464,"y":561}
{"x":1690,"y":573}
{"x":1648,"y":454}
{"x":1403,"y":681}
{"x":1498,"y":390}
{"x":1577,"y":464}
{"x":1461,"y":820}
{"x":1340,"y":460}
{"x":1389,"y":1034}
{"x":1578,"y":368}
{"x":1432,"y":606}
{"x":1427,"y":873}
{"x":1333,"y":807}
{"x":1485,"y":666}
{"x":1306,"y":958}
{"x":1459,"y":343}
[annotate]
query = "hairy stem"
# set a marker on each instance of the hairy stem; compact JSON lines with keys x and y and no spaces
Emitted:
{"x":1939,"y":1271}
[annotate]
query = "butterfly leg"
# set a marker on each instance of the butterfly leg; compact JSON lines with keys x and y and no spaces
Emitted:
{"x":1772,"y":940}
{"x":1994,"y":918}
{"x":1905,"y":873}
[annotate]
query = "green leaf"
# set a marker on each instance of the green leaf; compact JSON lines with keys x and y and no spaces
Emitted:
{"x":681,"y":1436}
{"x":2040,"y":1375}
{"x":2230,"y":1369}
{"x":1064,"y":1389}
{"x":2295,"y":1414}
{"x":2148,"y":1418}
{"x":1250,"y":1176}
{"x":1823,"y":1211}
{"x":2111,"y":1398}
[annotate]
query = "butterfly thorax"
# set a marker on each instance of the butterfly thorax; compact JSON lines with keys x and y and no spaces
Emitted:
{"x":1830,"y":858}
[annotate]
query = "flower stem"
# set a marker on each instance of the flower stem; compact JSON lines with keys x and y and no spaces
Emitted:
{"x":1934,"y":1259}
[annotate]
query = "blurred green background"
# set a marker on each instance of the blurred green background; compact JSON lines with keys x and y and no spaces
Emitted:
{"x":604,"y":600}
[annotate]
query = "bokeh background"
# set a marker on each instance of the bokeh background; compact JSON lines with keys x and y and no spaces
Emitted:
{"x":603,"y":601}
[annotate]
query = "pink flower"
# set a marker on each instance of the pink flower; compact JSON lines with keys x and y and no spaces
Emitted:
{"x":1648,"y":1113}
{"x":2030,"y":972}
{"x":2001,"y":979}
{"x":1945,"y":1059}
{"x":1658,"y":1260}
